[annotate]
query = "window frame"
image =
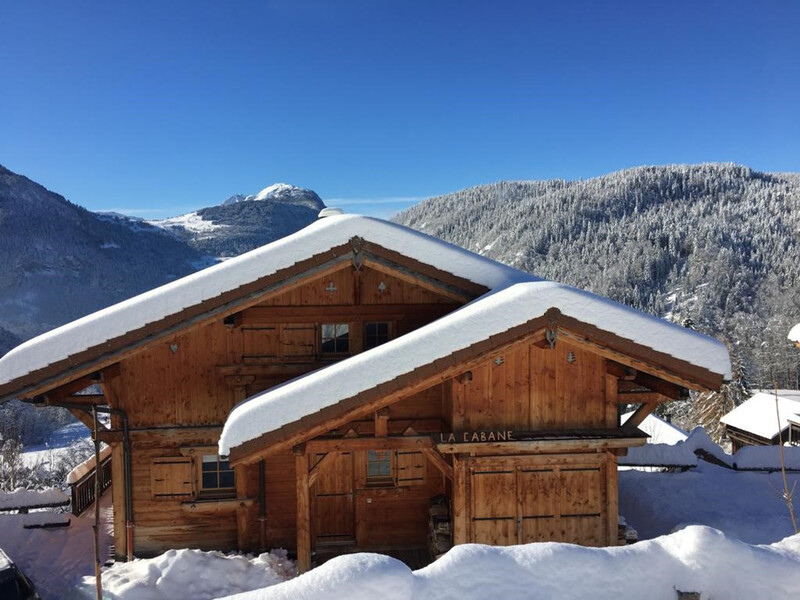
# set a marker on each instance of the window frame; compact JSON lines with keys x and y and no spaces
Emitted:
{"x":380,"y":480}
{"x":200,"y":492}
{"x":389,"y":336}
{"x":335,"y":339}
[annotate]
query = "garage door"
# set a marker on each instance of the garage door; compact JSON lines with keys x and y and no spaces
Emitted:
{"x":535,"y":502}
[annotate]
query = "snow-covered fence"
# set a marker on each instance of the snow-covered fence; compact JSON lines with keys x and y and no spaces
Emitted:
{"x":81,"y":481}
{"x":22,"y":500}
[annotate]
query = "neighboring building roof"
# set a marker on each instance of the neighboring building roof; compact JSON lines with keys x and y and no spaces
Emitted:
{"x":659,"y":430}
{"x":758,"y":416}
{"x":794,"y":334}
{"x":488,"y":316}
{"x":320,"y":237}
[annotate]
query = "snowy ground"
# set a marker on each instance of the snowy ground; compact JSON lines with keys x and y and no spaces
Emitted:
{"x":696,"y":559}
{"x":745,"y":505}
{"x":56,"y":559}
{"x":710,"y":500}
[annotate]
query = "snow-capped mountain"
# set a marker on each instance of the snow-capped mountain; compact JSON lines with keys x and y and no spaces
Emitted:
{"x":59,"y":261}
{"x":243,"y":222}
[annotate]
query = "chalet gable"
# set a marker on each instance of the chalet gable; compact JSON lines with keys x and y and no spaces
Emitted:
{"x":329,"y":246}
{"x":542,"y":310}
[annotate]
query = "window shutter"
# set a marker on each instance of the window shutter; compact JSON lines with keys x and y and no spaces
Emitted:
{"x":172,"y":476}
{"x":412,"y":468}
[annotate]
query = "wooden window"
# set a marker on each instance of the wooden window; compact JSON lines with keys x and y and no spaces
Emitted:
{"x":216,"y":477}
{"x":335,"y":338}
{"x":412,"y":468}
{"x":375,"y":334}
{"x":171,"y":476}
{"x":379,"y":467}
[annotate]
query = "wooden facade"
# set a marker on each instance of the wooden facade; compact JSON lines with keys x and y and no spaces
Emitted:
{"x":519,"y":434}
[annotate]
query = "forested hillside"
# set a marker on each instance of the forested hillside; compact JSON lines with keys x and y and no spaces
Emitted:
{"x":711,"y":246}
{"x":59,"y":261}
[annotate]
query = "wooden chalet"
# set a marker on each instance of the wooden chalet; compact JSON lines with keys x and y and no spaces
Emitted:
{"x":764,"y":420}
{"x":319,"y":392}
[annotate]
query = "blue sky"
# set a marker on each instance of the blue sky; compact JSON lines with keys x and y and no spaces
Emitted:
{"x":158,"y":108}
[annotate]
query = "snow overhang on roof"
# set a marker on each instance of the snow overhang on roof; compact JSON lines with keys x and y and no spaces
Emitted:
{"x":759,"y":414}
{"x":489,"y":315}
{"x":133,"y":314}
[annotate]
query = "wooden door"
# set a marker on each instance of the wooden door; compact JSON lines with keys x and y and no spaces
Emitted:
{"x":523,"y":501}
{"x":333,"y":516}
{"x":494,"y":506}
{"x":539,"y":498}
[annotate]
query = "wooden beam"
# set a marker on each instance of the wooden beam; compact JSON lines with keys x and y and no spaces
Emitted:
{"x":242,"y":533}
{"x":86,"y":418}
{"x":642,"y":397}
{"x":611,"y":409}
{"x":460,"y":500}
{"x":550,"y":446}
{"x":159,"y":434}
{"x":405,"y":442}
{"x":87,"y":400}
{"x":320,"y":466}
{"x":260,"y":315}
{"x":303,"y":513}
{"x":612,"y":500}
{"x":620,"y":371}
{"x":382,"y":422}
{"x":438,"y":461}
{"x":671,"y":391}
{"x":640,"y":415}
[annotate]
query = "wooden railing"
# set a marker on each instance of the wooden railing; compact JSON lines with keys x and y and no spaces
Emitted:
{"x":83,"y":488}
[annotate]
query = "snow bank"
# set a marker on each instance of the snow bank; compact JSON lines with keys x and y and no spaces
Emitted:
{"x":699,"y":440}
{"x":747,"y":505}
{"x":697,"y":559}
{"x":660,"y":455}
{"x":191,"y":574}
{"x":22,"y":498}
{"x":767,"y":458}
{"x":56,"y":559}
{"x":483,"y":318}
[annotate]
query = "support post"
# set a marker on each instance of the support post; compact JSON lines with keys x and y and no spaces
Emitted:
{"x":460,"y":491}
{"x":96,"y":526}
{"x":303,"y":511}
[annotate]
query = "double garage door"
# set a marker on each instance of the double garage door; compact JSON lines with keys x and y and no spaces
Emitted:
{"x":518,"y":500}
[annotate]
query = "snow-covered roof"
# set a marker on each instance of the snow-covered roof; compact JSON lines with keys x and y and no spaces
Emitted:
{"x":757,"y":415}
{"x":322,"y":235}
{"x":794,"y":334}
{"x":658,"y":429}
{"x":488,"y":316}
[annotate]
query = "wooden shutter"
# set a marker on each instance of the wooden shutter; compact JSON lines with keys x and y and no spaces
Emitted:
{"x":412,"y":468}
{"x":260,"y":343}
{"x":298,"y":340}
{"x":172,"y":476}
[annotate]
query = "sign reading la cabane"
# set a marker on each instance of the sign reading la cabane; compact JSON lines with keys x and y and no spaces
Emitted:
{"x":471,"y":437}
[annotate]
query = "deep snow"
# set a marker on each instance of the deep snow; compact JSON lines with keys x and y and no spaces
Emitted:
{"x":698,"y":559}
